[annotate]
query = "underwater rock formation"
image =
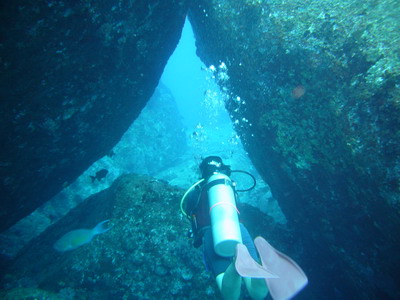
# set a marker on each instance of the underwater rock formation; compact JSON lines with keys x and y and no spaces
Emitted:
{"x":145,"y":255}
{"x":73,"y":77}
{"x":314,"y":93}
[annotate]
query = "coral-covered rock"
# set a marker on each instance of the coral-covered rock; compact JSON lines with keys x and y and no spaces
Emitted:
{"x":145,"y":255}
{"x":314,"y":93}
{"x":73,"y":77}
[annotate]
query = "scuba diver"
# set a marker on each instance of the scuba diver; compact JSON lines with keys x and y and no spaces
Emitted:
{"x":229,"y":251}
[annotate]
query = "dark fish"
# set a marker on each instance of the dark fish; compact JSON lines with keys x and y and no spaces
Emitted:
{"x":99,"y":175}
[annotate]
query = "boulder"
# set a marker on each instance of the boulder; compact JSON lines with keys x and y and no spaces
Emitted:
{"x":145,"y":255}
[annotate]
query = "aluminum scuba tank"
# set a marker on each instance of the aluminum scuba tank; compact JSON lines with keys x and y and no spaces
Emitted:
{"x":224,"y":215}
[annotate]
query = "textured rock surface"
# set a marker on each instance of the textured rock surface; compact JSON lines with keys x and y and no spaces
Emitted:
{"x":145,"y":255}
{"x":73,"y":77}
{"x":314,"y":92}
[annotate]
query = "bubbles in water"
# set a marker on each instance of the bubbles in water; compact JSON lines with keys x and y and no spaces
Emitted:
{"x":215,"y":133}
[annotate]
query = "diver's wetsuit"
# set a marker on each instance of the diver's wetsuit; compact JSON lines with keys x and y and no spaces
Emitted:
{"x":198,"y":208}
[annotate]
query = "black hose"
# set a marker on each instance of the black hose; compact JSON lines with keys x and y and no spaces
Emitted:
{"x":247,"y":173}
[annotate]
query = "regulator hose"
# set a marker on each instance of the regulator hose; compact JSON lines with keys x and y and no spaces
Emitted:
{"x":252,"y":177}
{"x":187,"y":192}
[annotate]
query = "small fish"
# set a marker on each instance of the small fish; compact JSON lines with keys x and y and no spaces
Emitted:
{"x":76,"y":238}
{"x":99,"y":175}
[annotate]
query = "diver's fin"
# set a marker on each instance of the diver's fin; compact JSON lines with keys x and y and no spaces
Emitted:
{"x":246,"y":266}
{"x":291,"y":279}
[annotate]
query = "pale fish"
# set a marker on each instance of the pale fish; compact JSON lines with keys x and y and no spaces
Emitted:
{"x":76,"y":238}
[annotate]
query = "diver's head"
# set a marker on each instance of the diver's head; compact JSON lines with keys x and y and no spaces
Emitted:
{"x":213,"y":164}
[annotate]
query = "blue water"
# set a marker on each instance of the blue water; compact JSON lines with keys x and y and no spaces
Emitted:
{"x":189,"y":80}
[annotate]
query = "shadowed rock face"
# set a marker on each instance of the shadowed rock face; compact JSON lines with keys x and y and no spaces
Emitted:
{"x":316,"y":102}
{"x":73,"y":77}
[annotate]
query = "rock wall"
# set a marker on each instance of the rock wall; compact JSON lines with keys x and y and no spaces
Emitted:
{"x":314,"y":93}
{"x":73,"y":77}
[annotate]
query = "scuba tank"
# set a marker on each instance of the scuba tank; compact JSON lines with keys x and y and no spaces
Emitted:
{"x":221,"y":196}
{"x":224,"y":214}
